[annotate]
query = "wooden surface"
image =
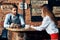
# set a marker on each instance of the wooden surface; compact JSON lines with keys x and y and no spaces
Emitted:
{"x":20,"y":29}
{"x":15,"y":33}
{"x":15,"y":29}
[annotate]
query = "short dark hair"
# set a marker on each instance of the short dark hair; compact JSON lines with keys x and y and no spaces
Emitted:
{"x":15,"y":6}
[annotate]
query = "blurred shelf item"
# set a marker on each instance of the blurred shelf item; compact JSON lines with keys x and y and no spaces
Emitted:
{"x":36,"y":11}
{"x":56,"y":11}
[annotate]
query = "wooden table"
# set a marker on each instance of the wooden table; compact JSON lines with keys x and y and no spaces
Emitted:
{"x":14,"y":32}
{"x":20,"y":29}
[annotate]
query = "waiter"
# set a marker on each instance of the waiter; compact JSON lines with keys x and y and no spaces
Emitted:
{"x":14,"y":20}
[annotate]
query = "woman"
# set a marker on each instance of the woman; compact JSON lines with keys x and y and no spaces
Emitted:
{"x":48,"y":23}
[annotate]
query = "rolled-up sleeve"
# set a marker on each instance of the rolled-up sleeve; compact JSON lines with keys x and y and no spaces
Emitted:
{"x":6,"y":21}
{"x":44,"y":24}
{"x":22,"y":20}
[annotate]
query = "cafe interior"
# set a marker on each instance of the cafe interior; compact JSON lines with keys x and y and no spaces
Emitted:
{"x":30,"y":9}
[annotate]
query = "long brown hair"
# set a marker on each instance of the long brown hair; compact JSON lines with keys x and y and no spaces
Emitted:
{"x":49,"y":13}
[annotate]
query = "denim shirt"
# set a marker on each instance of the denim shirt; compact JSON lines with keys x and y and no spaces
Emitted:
{"x":10,"y":18}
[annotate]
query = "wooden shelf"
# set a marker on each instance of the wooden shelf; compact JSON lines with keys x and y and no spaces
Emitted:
{"x":36,"y":6}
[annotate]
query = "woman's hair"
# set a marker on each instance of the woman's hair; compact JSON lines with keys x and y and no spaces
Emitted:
{"x":46,"y":11}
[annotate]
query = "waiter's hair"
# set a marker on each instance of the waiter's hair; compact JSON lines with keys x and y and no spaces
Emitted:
{"x":15,"y":6}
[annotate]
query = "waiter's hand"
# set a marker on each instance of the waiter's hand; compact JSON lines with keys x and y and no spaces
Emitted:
{"x":12,"y":25}
{"x":16,"y":25}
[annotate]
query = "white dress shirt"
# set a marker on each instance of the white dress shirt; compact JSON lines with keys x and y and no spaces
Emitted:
{"x":48,"y":25}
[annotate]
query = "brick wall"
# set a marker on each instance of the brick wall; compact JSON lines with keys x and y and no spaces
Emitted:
{"x":3,"y":12}
{"x":27,"y":14}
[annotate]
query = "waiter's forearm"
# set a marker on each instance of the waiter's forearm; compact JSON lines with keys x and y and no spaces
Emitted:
{"x":6,"y":26}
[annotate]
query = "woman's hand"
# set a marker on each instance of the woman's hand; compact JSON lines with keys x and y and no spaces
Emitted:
{"x":27,"y":26}
{"x":32,"y":26}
